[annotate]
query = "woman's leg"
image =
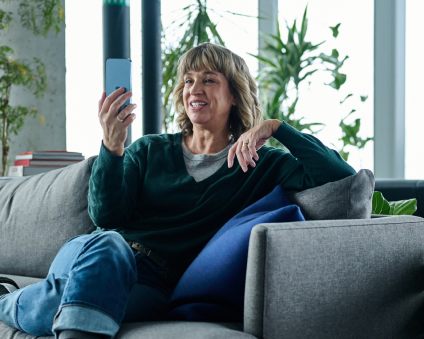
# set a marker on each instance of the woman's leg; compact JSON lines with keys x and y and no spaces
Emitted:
{"x":86,"y":289}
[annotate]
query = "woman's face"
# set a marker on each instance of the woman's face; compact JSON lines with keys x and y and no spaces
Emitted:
{"x":207,"y":98}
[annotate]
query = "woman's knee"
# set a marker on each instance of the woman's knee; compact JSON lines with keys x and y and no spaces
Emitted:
{"x":113,"y":240}
{"x":112,"y":245}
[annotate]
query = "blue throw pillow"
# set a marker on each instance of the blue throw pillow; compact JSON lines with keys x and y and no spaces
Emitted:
{"x":212,"y":288}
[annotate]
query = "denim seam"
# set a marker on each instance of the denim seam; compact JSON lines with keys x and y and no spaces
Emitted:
{"x":68,"y":285}
{"x":92,"y":307}
{"x":16,"y":311}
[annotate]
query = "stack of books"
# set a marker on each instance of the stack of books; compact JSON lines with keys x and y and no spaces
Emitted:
{"x":31,"y":163}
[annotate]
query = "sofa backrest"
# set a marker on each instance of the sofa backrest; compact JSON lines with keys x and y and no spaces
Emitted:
{"x":38,"y":214}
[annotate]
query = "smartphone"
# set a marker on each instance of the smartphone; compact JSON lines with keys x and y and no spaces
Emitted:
{"x":118,"y":74}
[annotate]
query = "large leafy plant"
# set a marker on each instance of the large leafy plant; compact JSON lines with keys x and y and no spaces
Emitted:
{"x":38,"y":16}
{"x":289,"y":63}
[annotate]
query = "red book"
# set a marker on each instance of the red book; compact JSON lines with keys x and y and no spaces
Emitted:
{"x":49,"y":152}
{"x":55,"y":163}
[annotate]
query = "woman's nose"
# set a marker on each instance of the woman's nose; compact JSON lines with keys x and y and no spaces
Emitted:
{"x":197,"y":88}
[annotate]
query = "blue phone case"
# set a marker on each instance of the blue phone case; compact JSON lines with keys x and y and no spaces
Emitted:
{"x":118,"y":74}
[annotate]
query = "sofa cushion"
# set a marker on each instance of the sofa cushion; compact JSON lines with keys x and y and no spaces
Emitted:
{"x":38,"y":214}
{"x":182,"y":330}
{"x":212,"y":288}
{"x":156,"y":330}
{"x":21,"y":280}
{"x":349,"y":198}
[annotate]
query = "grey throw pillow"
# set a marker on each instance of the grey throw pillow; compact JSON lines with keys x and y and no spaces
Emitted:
{"x":349,"y":198}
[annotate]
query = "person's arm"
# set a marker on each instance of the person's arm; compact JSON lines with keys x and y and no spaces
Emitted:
{"x":113,"y":185}
{"x":310,"y":163}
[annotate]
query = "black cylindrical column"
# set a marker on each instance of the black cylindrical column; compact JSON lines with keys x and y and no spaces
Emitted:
{"x":116,"y":36}
{"x":151,"y":67}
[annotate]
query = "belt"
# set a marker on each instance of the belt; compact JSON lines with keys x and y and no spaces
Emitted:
{"x":171,"y":272}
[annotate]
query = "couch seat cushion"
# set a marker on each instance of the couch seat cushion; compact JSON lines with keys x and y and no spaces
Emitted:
{"x":21,"y":280}
{"x":182,"y":330}
{"x":156,"y":330}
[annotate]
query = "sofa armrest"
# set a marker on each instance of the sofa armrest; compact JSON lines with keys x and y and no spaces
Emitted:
{"x":336,"y":279}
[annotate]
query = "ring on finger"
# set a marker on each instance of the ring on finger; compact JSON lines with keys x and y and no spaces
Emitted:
{"x":120,"y":120}
{"x":245,"y":143}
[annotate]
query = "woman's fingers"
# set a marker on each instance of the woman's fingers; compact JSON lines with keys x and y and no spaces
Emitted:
{"x":252,"y":149}
{"x":246,"y":154}
{"x":114,"y":131}
{"x":101,"y":101}
{"x":117,"y":104}
{"x":125,"y":114}
{"x":111,"y":99}
{"x":240,"y":157}
{"x":231,"y":155}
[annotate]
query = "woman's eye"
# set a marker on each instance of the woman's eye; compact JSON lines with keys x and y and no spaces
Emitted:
{"x":209,"y":80}
{"x":187,"y":81}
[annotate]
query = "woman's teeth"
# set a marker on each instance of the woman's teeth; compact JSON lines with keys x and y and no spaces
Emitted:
{"x":197,"y":104}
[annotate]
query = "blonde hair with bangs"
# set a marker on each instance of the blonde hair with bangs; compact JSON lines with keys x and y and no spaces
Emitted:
{"x":207,"y":56}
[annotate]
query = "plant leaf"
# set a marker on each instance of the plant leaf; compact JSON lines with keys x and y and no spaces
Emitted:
{"x":403,"y":207}
{"x":379,"y":204}
{"x":335,"y":30}
{"x":348,"y":96}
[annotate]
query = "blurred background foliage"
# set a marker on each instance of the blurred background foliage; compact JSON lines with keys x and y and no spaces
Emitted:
{"x":196,"y":27}
{"x":286,"y":64}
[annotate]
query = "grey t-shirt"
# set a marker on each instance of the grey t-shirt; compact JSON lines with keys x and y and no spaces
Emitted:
{"x":202,"y":166}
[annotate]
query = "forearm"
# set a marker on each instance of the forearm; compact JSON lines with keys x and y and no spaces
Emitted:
{"x":319,"y":163}
{"x":112,"y":190}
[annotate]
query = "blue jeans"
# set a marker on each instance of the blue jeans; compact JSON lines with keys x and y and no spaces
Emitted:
{"x":95,"y":283}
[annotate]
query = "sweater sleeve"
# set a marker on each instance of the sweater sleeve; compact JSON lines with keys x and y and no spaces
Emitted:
{"x":112,"y":193}
{"x":309,"y":163}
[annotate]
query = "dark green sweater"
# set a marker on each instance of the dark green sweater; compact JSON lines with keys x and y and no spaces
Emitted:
{"x":148,"y":196}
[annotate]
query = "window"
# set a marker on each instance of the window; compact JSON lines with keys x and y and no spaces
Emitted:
{"x":414,"y":105}
{"x":320,"y":103}
{"x":84,"y":73}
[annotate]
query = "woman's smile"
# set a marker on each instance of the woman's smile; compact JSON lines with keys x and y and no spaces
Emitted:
{"x":197,"y":105}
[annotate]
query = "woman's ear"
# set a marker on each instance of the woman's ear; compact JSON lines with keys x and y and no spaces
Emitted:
{"x":234,"y":101}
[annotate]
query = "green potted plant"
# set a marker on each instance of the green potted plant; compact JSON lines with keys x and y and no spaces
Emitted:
{"x":38,"y":16}
{"x":289,"y":63}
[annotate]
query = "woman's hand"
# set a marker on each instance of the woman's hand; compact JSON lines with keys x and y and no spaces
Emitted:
{"x":256,"y":138}
{"x":114,"y":131}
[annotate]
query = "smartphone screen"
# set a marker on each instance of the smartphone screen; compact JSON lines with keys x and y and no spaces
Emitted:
{"x":118,"y":74}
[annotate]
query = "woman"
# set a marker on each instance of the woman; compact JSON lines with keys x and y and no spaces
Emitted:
{"x":159,"y":201}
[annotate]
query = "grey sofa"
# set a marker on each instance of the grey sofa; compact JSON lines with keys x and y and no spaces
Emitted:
{"x":343,"y":278}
